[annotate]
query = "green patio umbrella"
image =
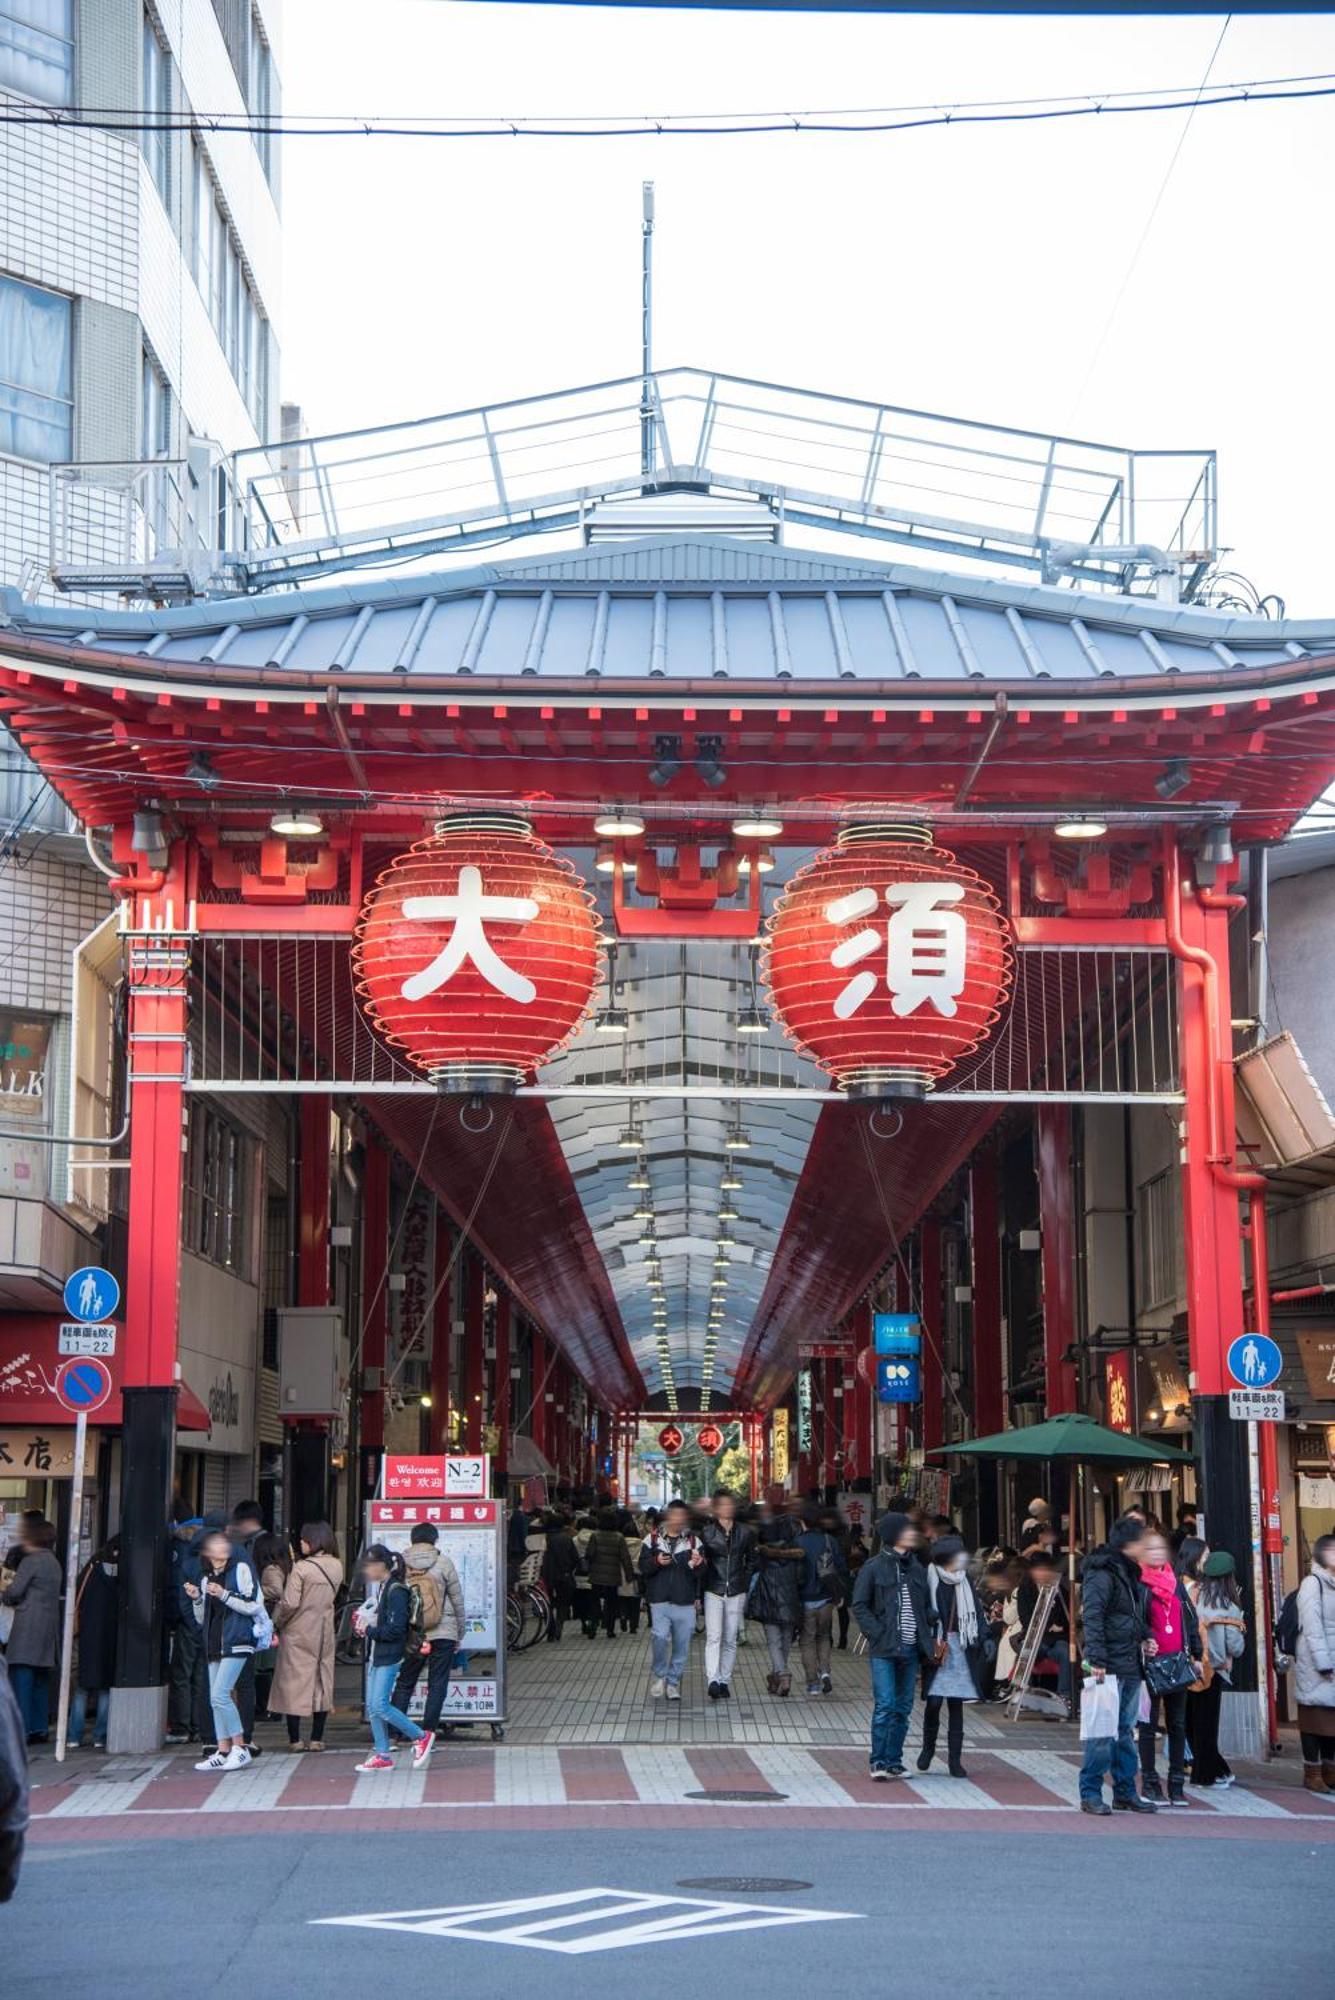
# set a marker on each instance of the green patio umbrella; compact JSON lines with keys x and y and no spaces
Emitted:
{"x":1080,"y":1441}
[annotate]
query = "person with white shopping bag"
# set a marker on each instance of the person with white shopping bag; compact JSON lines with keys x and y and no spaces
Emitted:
{"x":1117,"y":1638}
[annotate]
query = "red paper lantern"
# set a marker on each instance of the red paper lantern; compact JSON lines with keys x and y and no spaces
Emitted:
{"x":476,"y":953}
{"x":670,"y":1440}
{"x":887,"y":961}
{"x":710,"y":1440}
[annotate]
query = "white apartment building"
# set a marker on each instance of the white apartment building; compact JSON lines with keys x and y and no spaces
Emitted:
{"x":139,"y":348}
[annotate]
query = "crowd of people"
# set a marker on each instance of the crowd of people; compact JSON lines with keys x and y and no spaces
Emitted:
{"x":252,"y":1620}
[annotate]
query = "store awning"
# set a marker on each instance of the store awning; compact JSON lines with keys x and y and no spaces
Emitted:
{"x":30,"y":1361}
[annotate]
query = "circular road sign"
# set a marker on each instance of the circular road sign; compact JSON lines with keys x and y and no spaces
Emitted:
{"x":670,"y":1440}
{"x":1254,"y":1361}
{"x":83,"y":1385}
{"x":91,"y":1294}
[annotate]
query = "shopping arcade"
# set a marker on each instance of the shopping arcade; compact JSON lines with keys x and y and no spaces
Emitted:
{"x":835,"y":670}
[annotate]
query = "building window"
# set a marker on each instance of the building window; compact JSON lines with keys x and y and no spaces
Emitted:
{"x":1159,"y":1241}
{"x":262,"y":95}
{"x":37,"y":49}
{"x":157,"y":105}
{"x":237,"y":316}
{"x":155,"y":430}
{"x":218,"y":1191}
{"x":25,"y":1074}
{"x":36,"y":403}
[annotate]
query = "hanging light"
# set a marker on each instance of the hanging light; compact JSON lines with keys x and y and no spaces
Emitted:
{"x":605,"y":860}
{"x":296,"y":824}
{"x":611,"y":1021}
{"x":631,"y":1140}
{"x":640,"y":1178}
{"x":618,"y":823}
{"x":762,"y":859}
{"x":757,"y":826}
{"x":753,"y":1020}
{"x":731,"y":1182}
{"x":737,"y":1139}
{"x":648,"y":1241}
{"x":149,"y":839}
{"x":725,"y":1243}
{"x":727,"y":1213}
{"x":1080,"y":829}
{"x":643,"y":1213}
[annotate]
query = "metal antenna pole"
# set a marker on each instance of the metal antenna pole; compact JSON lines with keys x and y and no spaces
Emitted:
{"x":647,"y":336}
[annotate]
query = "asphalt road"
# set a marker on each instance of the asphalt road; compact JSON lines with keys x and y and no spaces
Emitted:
{"x":979,"y":1914}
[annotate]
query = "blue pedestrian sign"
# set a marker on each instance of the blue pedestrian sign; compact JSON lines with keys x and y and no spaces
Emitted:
{"x":898,"y":1379}
{"x":896,"y":1333}
{"x":1254,"y":1361}
{"x":83,"y":1386}
{"x":91,"y":1294}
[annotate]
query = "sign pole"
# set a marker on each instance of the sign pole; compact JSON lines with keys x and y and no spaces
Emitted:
{"x":71,"y":1584}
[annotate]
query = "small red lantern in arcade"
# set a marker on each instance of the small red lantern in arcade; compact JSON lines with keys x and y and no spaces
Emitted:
{"x":710,"y":1440}
{"x":476,"y":954}
{"x":670,"y":1440}
{"x":887,"y":960}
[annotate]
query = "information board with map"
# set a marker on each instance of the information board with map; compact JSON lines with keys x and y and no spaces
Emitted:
{"x":472,"y":1534}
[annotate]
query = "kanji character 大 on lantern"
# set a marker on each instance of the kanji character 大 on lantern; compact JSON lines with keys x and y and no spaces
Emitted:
{"x":476,"y":954}
{"x":887,"y":960}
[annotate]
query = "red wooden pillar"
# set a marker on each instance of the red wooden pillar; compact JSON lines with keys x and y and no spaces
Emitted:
{"x":375,"y":1294}
{"x":502,"y":1415}
{"x":158,"y":979}
{"x":475,"y":1358}
{"x":541,"y":1389}
{"x":933,"y":1336}
{"x":1213,"y":1239}
{"x":1057,"y":1220}
{"x":989,"y":1410}
{"x":313,"y":1203}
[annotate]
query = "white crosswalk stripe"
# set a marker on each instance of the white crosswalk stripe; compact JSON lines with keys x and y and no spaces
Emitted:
{"x":109,"y":1795}
{"x":661,"y":1775}
{"x":254,"y":1789}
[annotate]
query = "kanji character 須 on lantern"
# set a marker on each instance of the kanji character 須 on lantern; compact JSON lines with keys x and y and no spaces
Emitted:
{"x":887,"y":960}
{"x":476,"y":953}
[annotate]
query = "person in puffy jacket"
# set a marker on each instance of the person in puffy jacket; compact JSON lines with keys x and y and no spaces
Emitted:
{"x":891,"y":1605}
{"x":608,"y":1565}
{"x":34,"y":1637}
{"x":1314,"y":1668}
{"x":1117,"y":1629}
{"x":226,"y":1602}
{"x":13,"y":1787}
{"x":670,"y":1561}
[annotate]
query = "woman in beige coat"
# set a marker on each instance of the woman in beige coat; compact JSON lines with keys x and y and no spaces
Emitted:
{"x":303,"y":1682}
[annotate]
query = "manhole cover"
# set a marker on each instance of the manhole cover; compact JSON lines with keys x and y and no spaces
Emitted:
{"x":116,"y":1774}
{"x":742,"y":1885}
{"x":740,"y":1799}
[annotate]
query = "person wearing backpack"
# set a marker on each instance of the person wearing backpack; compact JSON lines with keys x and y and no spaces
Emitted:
{"x":437,"y":1580}
{"x":1314,"y":1668}
{"x":391,"y":1622}
{"x":824,"y":1584}
{"x":1218,"y":1601}
{"x":234,"y":1624}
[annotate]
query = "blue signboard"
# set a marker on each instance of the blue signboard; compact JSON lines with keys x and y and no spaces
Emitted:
{"x":896,"y":1333}
{"x":899,"y":1379}
{"x":91,"y":1294}
{"x":1254,"y":1361}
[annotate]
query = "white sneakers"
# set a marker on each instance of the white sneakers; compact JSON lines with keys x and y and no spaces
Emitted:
{"x":656,"y":1689}
{"x":234,"y":1759}
{"x":673,"y":1691}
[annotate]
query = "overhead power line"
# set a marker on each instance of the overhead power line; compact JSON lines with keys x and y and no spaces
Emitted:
{"x":1263,"y":90}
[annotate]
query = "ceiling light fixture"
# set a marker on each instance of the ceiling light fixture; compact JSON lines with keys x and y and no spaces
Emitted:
{"x":737,"y":1139}
{"x":618,"y":823}
{"x":757,"y":826}
{"x":295,"y":823}
{"x":728,"y":1213}
{"x":631,"y":1139}
{"x":640,"y":1178}
{"x":1080,"y":829}
{"x":731,"y":1183}
{"x":761,"y":859}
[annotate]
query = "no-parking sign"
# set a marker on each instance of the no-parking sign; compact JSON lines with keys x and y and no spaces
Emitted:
{"x":83,"y":1386}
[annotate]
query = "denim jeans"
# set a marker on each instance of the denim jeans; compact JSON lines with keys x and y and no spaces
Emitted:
{"x":1114,"y":1753}
{"x":32,"y":1692}
{"x":673,"y":1626}
{"x":816,"y":1636}
{"x":723,"y":1621}
{"x":380,"y":1709}
{"x":1059,"y":1651}
{"x":892,"y":1692}
{"x":223,"y":1677}
{"x":79,"y":1715}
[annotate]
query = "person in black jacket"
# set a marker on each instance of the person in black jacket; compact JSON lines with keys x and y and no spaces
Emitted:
{"x":560,"y":1572}
{"x":891,"y":1606}
{"x":775,"y":1599}
{"x":97,"y":1616}
{"x":1117,"y":1629}
{"x":729,"y":1547}
{"x":13,"y":1787}
{"x":386,"y":1621}
{"x":1044,"y":1568}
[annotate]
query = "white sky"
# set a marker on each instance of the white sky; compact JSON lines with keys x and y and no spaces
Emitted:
{"x":967,"y":271}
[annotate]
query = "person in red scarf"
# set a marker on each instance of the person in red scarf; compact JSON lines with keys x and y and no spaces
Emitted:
{"x":1173,"y":1629}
